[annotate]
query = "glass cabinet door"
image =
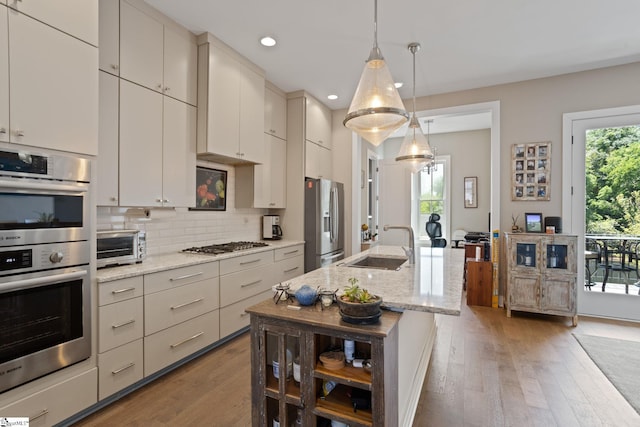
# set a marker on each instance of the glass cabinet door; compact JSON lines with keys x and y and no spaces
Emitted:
{"x":556,"y":256}
{"x":526,"y":255}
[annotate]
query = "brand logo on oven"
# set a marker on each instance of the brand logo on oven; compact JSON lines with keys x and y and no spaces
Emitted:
{"x":9,"y":237}
{"x":10,"y":370}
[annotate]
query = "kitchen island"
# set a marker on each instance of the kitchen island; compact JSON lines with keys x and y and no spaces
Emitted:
{"x":399,"y":347}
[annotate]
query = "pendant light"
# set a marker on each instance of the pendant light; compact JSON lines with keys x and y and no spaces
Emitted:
{"x":376,"y":109}
{"x":415,"y":149}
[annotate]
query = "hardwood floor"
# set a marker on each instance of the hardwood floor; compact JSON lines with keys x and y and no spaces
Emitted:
{"x":486,"y":370}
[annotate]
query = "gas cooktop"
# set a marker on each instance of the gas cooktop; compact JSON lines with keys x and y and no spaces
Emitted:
{"x":223,"y":248}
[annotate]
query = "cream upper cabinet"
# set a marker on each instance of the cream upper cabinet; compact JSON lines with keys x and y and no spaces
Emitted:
{"x":157,"y":149}
{"x":107,"y":179}
{"x":54,"y":87}
{"x":180,"y":66}
{"x":78,"y":18}
{"x":140,"y":146}
{"x":317,"y":161}
{"x":275,"y":113}
{"x":4,"y":76}
{"x":109,"y":36}
{"x":318,"y":121}
{"x":264,"y":185}
{"x":157,"y":56}
{"x":230,"y":105}
{"x":179,"y":153}
{"x":141,"y":47}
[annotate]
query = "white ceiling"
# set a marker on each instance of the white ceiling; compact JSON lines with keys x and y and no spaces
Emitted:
{"x":322,"y":44}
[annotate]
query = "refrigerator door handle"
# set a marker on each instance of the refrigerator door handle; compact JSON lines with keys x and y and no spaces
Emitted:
{"x":336,"y":222}
{"x":331,"y":216}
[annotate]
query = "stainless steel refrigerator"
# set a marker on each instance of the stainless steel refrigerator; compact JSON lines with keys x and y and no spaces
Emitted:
{"x":323,"y":223}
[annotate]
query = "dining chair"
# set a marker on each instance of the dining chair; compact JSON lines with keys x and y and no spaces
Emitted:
{"x":592,"y":253}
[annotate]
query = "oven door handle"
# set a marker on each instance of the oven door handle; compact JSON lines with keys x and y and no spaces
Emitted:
{"x":39,"y":281}
{"x":43,"y":186}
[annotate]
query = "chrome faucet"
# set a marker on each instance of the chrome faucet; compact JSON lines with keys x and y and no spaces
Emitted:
{"x":411,"y":251}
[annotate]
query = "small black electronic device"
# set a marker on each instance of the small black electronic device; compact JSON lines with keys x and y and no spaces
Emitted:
{"x":553,"y":221}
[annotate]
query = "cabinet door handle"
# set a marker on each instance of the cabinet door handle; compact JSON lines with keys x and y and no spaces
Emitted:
{"x":175,"y":307}
{"x":127,"y":366}
{"x":119,"y":291}
{"x":3,"y":131}
{"x":120,"y":325}
{"x":187,"y":340}
{"x":113,"y":198}
{"x":250,"y":262}
{"x":186,"y":276}
{"x":291,"y":269}
{"x":251,"y":284}
{"x":114,"y":66}
{"x":166,"y":88}
{"x":291,"y":252}
{"x":19,"y":132}
{"x":159,"y":86}
{"x":45,"y":411}
{"x":244,"y":314}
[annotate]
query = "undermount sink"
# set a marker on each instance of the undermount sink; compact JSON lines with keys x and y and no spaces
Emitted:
{"x":379,"y":262}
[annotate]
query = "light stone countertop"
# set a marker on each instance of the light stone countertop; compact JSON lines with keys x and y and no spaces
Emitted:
{"x":433,"y":284}
{"x":168,"y":261}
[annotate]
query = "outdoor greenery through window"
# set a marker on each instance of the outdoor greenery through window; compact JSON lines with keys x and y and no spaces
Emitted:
{"x":613,"y":180}
{"x":432,"y":197}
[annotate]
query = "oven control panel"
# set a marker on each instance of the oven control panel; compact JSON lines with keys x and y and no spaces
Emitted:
{"x":23,"y":259}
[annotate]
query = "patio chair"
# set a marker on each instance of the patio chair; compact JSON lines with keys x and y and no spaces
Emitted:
{"x":592,"y":252}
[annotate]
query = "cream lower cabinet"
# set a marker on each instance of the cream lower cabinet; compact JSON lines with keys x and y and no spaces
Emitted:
{"x":244,"y":281}
{"x":56,"y":403}
{"x":541,"y":274}
{"x":181,"y":314}
{"x":120,"y":332}
{"x":289,"y":263}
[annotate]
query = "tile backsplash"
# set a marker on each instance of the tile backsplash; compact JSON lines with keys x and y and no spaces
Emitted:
{"x":171,"y":230}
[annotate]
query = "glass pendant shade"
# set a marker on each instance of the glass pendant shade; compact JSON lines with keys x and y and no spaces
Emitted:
{"x":415,"y":150}
{"x":376,"y":110}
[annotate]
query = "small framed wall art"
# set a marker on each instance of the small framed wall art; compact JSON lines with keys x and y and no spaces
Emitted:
{"x":470,"y":191}
{"x":211,"y":189}
{"x":531,"y":171}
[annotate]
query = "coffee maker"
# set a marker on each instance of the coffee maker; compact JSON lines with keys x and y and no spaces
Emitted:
{"x":271,"y":227}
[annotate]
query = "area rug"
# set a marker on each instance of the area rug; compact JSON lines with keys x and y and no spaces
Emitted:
{"x":619,"y":361}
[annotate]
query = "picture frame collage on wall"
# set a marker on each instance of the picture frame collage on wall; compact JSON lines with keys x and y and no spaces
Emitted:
{"x":531,"y":171}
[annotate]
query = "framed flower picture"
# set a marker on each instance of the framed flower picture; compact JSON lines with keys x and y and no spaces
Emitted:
{"x":531,"y":171}
{"x":211,"y":189}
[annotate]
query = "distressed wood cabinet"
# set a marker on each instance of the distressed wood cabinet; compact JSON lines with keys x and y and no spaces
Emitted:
{"x":541,"y":274}
{"x":294,"y":389}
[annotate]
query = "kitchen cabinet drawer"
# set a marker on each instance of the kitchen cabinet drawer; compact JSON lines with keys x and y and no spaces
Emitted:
{"x":173,"y":306}
{"x":244,"y":284}
{"x":289,"y":252}
{"x":239,"y":263}
{"x":120,"y":323}
{"x":288,"y":268}
{"x":119,"y":290}
{"x":58,"y":402}
{"x":169,"y":346}
{"x":119,"y":368}
{"x":233,"y":317}
{"x":169,"y":279}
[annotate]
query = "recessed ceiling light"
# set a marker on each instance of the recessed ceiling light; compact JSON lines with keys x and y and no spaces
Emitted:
{"x":268,"y":41}
{"x":332,"y":97}
{"x":398,"y":85}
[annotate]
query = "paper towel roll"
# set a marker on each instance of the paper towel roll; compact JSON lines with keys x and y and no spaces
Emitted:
{"x":478,"y":253}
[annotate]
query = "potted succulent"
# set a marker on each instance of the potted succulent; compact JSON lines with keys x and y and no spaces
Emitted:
{"x":357,"y":303}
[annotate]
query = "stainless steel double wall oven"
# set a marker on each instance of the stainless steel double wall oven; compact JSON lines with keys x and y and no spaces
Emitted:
{"x":45,"y":278}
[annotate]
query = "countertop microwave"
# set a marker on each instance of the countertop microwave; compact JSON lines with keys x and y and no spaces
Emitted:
{"x":119,"y":247}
